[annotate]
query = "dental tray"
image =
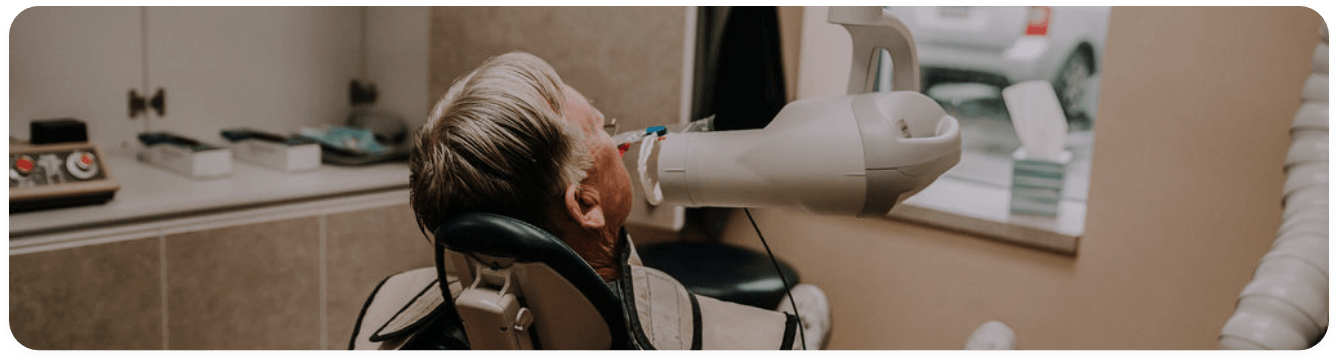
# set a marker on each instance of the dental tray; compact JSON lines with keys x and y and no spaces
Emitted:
{"x":184,"y":155}
{"x":291,"y":153}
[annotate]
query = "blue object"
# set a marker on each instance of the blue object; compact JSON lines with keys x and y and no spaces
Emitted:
{"x":358,"y":140}
{"x":235,"y":135}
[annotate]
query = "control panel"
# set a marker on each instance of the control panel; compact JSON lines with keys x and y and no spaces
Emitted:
{"x":55,"y":175}
{"x":37,"y":169}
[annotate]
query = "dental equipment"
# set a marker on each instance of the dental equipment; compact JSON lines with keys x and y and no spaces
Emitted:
{"x":857,"y":154}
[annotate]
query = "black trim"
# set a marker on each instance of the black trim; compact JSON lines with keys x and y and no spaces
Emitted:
{"x":378,"y":337}
{"x":444,"y":331}
{"x":60,"y":202}
{"x":696,"y":322}
{"x":791,"y":322}
{"x":358,"y":325}
{"x":440,"y":261}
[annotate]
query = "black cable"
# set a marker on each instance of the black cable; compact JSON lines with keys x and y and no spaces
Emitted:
{"x":786,"y":284}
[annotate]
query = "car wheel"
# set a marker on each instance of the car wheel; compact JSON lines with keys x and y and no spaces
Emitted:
{"x":1071,"y":85}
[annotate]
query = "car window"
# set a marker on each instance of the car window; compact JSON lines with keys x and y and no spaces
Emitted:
{"x":969,"y":55}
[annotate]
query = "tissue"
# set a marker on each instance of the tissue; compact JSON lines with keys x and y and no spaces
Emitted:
{"x":1039,"y":166}
{"x":1038,"y":118}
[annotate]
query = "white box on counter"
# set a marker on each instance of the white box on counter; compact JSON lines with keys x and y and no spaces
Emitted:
{"x":192,"y":161}
{"x":278,"y":155}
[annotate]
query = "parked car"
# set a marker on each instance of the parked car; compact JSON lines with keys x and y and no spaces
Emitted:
{"x":1004,"y":45}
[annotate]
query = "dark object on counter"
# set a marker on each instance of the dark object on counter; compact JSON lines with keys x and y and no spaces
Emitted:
{"x":235,"y":135}
{"x":389,"y":128}
{"x":54,"y":131}
{"x":346,"y":157}
{"x":155,"y":138}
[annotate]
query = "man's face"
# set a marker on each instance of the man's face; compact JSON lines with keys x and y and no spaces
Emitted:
{"x":608,"y":175}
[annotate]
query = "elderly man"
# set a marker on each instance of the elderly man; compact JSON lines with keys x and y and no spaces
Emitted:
{"x":511,"y":138}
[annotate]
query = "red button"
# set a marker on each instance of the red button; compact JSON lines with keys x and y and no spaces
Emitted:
{"x":24,"y":164}
{"x":86,"y":159}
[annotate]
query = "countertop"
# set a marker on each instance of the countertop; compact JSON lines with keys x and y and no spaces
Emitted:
{"x":150,"y":193}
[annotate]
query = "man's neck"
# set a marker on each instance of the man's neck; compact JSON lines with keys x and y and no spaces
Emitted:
{"x":599,"y":251}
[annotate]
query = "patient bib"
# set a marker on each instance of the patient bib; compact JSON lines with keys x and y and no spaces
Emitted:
{"x":669,"y":317}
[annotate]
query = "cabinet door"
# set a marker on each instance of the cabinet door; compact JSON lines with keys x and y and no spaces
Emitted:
{"x":270,"y":68}
{"x":76,"y":62}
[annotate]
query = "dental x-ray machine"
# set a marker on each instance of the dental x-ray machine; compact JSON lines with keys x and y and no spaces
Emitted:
{"x":857,"y":154}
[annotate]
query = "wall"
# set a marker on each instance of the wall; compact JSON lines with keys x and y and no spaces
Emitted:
{"x":272,"y":68}
{"x":76,"y":62}
{"x":397,"y":59}
{"x":824,"y":56}
{"x":790,"y":20}
{"x":1185,"y":198}
{"x":627,"y":61}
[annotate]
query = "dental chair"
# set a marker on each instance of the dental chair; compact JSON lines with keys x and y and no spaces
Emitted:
{"x":506,"y":263}
{"x":515,"y":286}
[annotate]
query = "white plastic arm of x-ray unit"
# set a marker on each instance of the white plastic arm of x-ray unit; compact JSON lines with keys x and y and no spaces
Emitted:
{"x":857,"y":154}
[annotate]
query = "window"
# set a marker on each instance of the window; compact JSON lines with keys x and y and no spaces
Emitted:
{"x":968,"y":55}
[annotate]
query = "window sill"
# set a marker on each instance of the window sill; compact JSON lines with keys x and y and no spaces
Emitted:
{"x":982,"y":210}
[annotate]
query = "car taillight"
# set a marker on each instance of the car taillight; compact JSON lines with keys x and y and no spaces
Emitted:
{"x":1038,"y":20}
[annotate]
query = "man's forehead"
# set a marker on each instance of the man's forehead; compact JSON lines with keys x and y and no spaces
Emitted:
{"x":575,"y":107}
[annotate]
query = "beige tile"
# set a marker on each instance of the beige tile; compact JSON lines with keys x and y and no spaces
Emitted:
{"x":105,"y":296}
{"x":362,"y":248}
{"x":245,"y":287}
{"x":627,"y":60}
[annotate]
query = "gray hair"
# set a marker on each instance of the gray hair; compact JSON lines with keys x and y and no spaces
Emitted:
{"x":498,"y":142}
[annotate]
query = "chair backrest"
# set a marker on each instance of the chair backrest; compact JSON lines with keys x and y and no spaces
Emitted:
{"x":524,"y":288}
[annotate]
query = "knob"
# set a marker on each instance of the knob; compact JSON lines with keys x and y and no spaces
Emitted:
{"x":81,"y":165}
{"x":23,"y":165}
{"x":85,"y":161}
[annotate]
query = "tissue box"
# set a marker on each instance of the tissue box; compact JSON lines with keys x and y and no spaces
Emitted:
{"x":1038,"y":184}
{"x":274,"y":151}
{"x":185,"y":156}
{"x":278,"y":155}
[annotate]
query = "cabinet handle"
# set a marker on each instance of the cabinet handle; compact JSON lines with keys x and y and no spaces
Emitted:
{"x":159,"y":102}
{"x":138,"y":104}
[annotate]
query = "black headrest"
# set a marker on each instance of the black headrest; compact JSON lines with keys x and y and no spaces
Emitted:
{"x":501,"y":236}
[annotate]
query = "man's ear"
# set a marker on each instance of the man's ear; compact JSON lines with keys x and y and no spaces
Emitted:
{"x":583,"y":206}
